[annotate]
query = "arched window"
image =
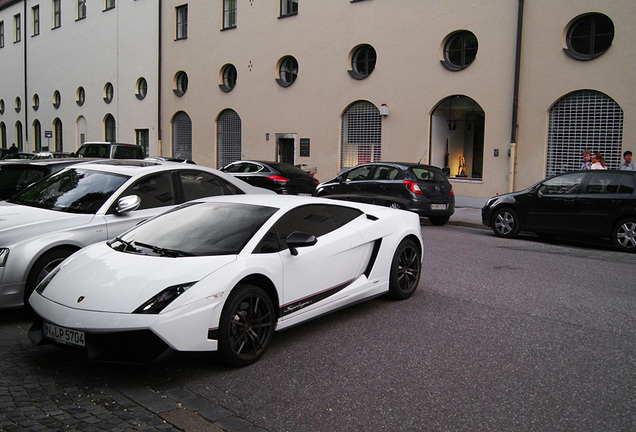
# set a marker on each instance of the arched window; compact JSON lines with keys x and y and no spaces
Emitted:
{"x":228,"y":138}
{"x":81,"y":128}
{"x":18,"y":136}
{"x":3,"y":135}
{"x":361,"y":134}
{"x":57,"y":135}
{"x":182,"y":136}
{"x":110,"y":128}
{"x":457,"y":137}
{"x":583,"y":120}
{"x":37,"y":135}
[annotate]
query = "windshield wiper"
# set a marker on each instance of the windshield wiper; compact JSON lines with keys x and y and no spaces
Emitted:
{"x":172,"y":253}
{"x":127,"y":246}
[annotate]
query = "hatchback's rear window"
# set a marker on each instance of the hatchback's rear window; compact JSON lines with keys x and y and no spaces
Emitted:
{"x":423,"y":173}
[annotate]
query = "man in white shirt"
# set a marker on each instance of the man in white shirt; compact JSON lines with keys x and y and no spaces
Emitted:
{"x":627,"y":164}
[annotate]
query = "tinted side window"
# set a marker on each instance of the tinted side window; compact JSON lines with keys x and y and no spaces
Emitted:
{"x":154,"y":190}
{"x":359,"y":173}
{"x":563,"y":184}
{"x":96,"y":151}
{"x":199,"y":184}
{"x":628,"y":184}
{"x":603,"y":183}
{"x":312,"y":219}
{"x":127,"y":152}
{"x":343,"y":215}
{"x":385,"y":173}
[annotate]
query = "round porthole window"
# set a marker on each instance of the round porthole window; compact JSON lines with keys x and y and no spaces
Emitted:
{"x":80,"y":97}
{"x":363,"y":59}
{"x":460,"y":50}
{"x":142,"y":88}
{"x":589,"y":36}
{"x":36,"y":102}
{"x":228,"y":77}
{"x":109,"y":92}
{"x":180,"y":83}
{"x":287,"y":71}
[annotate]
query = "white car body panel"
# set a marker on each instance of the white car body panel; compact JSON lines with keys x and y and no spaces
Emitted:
{"x":112,"y":283}
{"x":29,"y":232}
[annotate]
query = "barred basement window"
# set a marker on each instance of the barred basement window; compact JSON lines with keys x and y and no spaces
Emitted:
{"x":583,"y":120}
{"x":361,"y":135}
{"x":228,"y":138}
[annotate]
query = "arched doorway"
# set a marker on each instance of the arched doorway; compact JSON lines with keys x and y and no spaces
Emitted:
{"x":110,"y":129}
{"x":228,"y":138}
{"x":583,"y":120}
{"x":457,"y":137}
{"x":361,"y":134}
{"x":182,"y":136}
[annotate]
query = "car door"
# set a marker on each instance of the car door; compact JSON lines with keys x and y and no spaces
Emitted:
{"x":382,"y":180}
{"x":550,"y":206}
{"x":157,"y":194}
{"x":356,"y":181}
{"x":318,"y":273}
{"x":604,"y":196}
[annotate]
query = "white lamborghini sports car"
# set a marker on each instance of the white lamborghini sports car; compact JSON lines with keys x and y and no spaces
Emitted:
{"x":223,"y":273}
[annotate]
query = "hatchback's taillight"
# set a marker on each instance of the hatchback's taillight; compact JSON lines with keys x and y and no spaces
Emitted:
{"x":278,"y":179}
{"x":316,"y":182}
{"x":413,"y":187}
{"x":451,"y":191}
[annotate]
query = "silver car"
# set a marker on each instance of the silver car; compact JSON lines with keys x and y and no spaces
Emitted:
{"x":88,"y":203}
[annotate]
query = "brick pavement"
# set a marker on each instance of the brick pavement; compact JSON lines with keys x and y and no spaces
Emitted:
{"x":51,"y":389}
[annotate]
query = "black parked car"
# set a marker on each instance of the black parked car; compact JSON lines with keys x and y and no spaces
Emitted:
{"x":423,"y":189}
{"x":15,"y":175}
{"x":280,"y":177}
{"x":599,"y":203}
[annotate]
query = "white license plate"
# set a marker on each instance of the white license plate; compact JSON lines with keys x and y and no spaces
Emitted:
{"x":63,"y":335}
{"x":439,"y":206}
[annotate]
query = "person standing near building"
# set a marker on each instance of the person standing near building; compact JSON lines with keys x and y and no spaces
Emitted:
{"x":587,"y":163}
{"x":13,"y":148}
{"x":627,"y":164}
{"x":598,"y":162}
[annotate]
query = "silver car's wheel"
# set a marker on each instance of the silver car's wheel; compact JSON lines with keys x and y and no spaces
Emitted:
{"x":625,"y":235}
{"x":505,"y":223}
{"x":42,"y":267}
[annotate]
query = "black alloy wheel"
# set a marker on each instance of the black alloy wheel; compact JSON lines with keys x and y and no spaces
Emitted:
{"x":246,"y":327}
{"x":395,"y":205}
{"x":624,"y":235}
{"x":405,"y":270}
{"x":505,"y":223}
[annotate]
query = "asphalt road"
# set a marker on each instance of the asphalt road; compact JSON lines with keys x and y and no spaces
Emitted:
{"x":520,"y":335}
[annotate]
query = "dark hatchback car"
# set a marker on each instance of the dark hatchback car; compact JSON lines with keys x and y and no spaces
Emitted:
{"x":599,"y":203}
{"x":282,"y":178}
{"x":16,"y":175}
{"x":423,"y":189}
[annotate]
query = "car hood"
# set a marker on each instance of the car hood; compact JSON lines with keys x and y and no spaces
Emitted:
{"x":19,"y":222}
{"x":110,"y":281}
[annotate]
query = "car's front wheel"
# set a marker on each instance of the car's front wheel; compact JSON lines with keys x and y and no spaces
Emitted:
{"x":247,"y":325}
{"x":505,"y":223}
{"x":624,"y":235}
{"x":42,"y":267}
{"x":405,"y":270}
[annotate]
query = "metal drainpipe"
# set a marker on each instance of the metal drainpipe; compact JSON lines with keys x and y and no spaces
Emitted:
{"x":26,"y":88}
{"x":515,"y":101}
{"x":159,"y":81}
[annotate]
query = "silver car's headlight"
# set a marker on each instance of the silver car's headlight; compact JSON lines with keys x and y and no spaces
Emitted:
{"x":4,"y":253}
{"x":158,"y":303}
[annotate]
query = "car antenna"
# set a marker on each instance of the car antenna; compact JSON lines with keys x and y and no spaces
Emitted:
{"x":420,"y":161}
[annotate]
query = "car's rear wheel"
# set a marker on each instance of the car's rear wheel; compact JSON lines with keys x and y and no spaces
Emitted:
{"x":395,"y":205}
{"x":247,"y":326}
{"x":42,"y":267}
{"x":439,"y":220}
{"x":505,"y":223}
{"x":624,"y":235}
{"x":405,"y":270}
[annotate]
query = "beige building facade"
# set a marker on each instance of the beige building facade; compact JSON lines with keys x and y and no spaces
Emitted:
{"x":332,"y":83}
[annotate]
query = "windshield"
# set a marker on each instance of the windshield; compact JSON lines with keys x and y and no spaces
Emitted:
{"x":72,"y":190}
{"x":196,"y":228}
{"x":94,"y":150}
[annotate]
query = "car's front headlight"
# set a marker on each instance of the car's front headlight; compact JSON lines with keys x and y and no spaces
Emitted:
{"x":4,"y":253}
{"x":159,"y":302}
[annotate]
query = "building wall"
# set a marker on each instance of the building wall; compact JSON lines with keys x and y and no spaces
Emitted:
{"x":117,"y":46}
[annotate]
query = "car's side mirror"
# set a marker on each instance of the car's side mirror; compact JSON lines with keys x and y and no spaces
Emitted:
{"x":127,"y":203}
{"x":299,"y":239}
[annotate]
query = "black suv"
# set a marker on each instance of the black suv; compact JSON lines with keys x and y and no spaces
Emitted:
{"x":423,"y":189}
{"x":599,"y":203}
{"x":110,"y":150}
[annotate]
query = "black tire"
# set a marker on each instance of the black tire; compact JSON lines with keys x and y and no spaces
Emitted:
{"x":439,"y":220}
{"x":505,"y":223}
{"x":405,"y":270}
{"x":624,"y":235}
{"x":395,"y":205}
{"x":42,"y":267}
{"x":246,"y":327}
